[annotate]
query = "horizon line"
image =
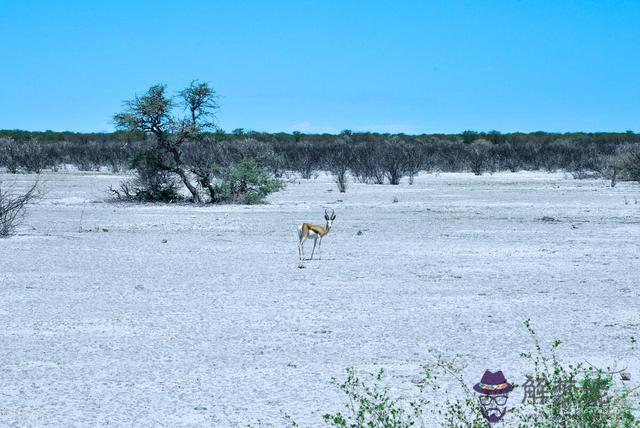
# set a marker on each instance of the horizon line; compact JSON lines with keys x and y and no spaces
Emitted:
{"x":246,"y":131}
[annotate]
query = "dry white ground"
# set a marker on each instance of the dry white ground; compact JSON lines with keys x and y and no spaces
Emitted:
{"x":103,"y":323}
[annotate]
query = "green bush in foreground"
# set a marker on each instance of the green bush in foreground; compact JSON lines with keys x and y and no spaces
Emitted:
{"x":578,"y":395}
{"x":595,"y":398}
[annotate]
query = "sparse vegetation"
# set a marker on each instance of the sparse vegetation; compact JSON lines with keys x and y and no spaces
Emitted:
{"x":13,"y":207}
{"x":576,"y":396}
{"x":191,"y":144}
{"x":631,"y":164}
{"x":339,"y":163}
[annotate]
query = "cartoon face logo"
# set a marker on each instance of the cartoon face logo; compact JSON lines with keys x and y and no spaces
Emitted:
{"x":493,"y":393}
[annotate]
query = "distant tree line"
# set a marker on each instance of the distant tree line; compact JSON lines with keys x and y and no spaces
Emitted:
{"x":364,"y":157}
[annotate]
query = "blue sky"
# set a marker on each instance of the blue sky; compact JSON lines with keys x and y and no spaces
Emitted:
{"x":325,"y":66}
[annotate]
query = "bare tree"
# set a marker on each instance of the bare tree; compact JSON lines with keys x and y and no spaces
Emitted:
{"x":13,"y":208}
{"x":394,"y":160}
{"x":479,"y":154}
{"x":304,"y":158}
{"x":632,"y":165}
{"x":366,"y":165}
{"x":339,"y":161}
{"x":10,"y":154}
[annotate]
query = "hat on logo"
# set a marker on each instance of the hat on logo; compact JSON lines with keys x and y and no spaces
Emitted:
{"x":493,"y":384}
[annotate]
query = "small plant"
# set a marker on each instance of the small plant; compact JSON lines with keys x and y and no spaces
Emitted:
{"x":371,"y":405}
{"x":13,"y":208}
{"x":575,"y":395}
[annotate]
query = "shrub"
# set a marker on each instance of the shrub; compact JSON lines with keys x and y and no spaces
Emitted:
{"x":479,"y":156}
{"x":394,"y":160}
{"x":151,"y":183}
{"x":244,"y":183}
{"x":416,"y":159}
{"x":577,"y":395}
{"x":338,"y":161}
{"x":304,"y":158}
{"x":371,"y":405}
{"x":13,"y":208}
{"x":32,"y":157}
{"x":9,"y":155}
{"x":26,"y":155}
{"x":594,"y":400}
{"x":366,"y":162}
{"x":632,"y":165}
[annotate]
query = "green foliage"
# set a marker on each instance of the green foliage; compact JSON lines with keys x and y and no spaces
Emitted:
{"x":202,"y":102}
{"x":149,"y":113}
{"x":371,"y":405}
{"x":244,"y":183}
{"x":153,"y":114}
{"x":576,"y":396}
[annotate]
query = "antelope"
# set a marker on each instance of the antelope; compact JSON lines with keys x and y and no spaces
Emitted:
{"x":315,"y":232}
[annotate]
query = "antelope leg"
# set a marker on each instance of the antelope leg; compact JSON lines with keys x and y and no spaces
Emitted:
{"x":315,"y":241}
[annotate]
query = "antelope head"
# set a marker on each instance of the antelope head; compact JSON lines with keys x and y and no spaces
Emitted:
{"x":329,"y":215}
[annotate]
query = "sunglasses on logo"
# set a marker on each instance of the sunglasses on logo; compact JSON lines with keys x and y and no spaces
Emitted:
{"x":500,"y":400}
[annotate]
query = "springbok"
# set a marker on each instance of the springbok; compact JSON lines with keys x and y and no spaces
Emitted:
{"x":315,"y":232}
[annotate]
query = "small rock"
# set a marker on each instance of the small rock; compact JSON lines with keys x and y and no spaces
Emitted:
{"x":395,"y":199}
{"x":359,"y":233}
{"x":625,"y":376}
{"x":417,"y":380}
{"x":139,"y":287}
{"x":105,"y":230}
{"x":164,"y":241}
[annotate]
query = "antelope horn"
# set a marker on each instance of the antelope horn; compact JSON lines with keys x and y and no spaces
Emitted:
{"x":326,"y":211}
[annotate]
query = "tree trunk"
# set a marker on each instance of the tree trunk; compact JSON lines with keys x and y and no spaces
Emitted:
{"x":185,"y":179}
{"x":178,"y":169}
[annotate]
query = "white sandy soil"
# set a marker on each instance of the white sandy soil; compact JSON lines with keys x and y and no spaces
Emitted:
{"x":103,"y":323}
